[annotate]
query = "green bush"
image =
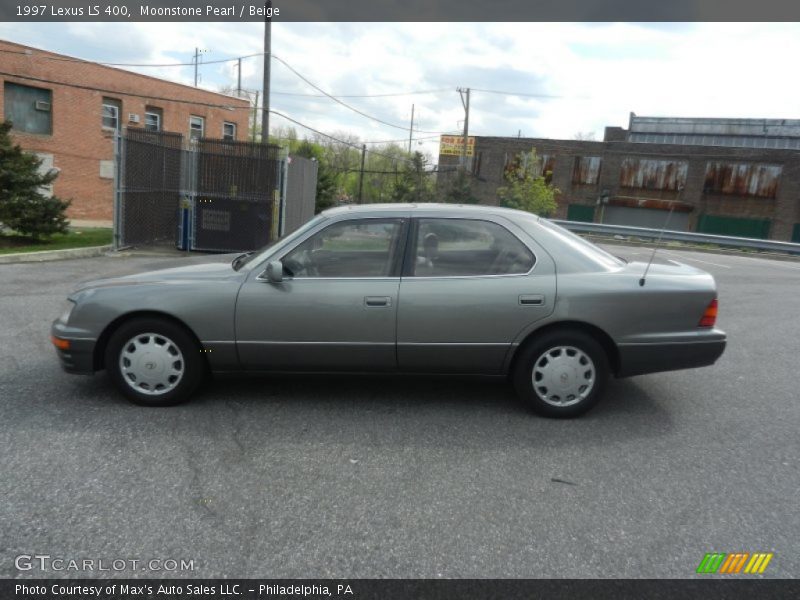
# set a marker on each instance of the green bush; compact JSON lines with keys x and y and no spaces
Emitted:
{"x":527,"y":188}
{"x":23,"y":206}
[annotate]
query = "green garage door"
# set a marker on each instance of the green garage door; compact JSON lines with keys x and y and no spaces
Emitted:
{"x":796,"y":233}
{"x":580,"y":212}
{"x":749,"y":228}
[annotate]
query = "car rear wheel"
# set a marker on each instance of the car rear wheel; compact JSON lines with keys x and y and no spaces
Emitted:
{"x":561,"y":374}
{"x":154,"y":362}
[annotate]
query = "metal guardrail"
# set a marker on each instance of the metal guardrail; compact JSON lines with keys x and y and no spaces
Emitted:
{"x":680,"y":236}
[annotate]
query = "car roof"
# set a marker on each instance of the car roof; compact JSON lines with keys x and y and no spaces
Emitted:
{"x":423,"y":207}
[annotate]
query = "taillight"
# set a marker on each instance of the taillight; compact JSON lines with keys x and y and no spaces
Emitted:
{"x":710,"y":316}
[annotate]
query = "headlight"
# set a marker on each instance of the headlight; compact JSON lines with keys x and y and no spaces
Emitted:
{"x":66,"y":311}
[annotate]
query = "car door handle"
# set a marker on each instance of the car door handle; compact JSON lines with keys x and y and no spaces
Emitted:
{"x":531,"y":300}
{"x":377,"y":301}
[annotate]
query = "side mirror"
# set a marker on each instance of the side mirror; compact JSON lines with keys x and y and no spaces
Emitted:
{"x":274,"y":271}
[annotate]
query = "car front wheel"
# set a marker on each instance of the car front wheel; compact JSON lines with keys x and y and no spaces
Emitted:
{"x":561,"y":374}
{"x":154,"y":362}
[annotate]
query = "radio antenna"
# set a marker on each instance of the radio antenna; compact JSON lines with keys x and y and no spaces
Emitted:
{"x":655,"y":248}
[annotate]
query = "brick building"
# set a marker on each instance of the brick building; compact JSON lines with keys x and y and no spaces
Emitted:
{"x":723,"y":176}
{"x":68,"y":110}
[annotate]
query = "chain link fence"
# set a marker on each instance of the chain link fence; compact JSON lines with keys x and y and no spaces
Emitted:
{"x":235,"y":195}
{"x":149,"y":187}
{"x":213,"y":195}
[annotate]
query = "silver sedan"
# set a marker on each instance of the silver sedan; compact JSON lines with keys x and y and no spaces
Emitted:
{"x":410,"y":288}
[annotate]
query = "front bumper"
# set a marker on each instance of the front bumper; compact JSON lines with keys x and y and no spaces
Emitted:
{"x":79,"y":356}
{"x":654,"y":357}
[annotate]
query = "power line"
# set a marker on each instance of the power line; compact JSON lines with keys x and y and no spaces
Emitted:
{"x":335,"y":99}
{"x":197,"y":103}
{"x":524,"y":94}
{"x":387,"y":95}
{"x":115,"y":64}
{"x":132,"y":94}
{"x":224,"y":60}
{"x":385,"y":172}
{"x":323,"y":94}
{"x":346,"y":143}
{"x":424,"y":137}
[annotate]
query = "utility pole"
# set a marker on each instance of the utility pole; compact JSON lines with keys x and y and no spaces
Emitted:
{"x":465,"y":102}
{"x":411,"y":130}
{"x":361,"y":177}
{"x":267,"y":61}
{"x":197,"y":53}
{"x":239,"y":80}
{"x":255,"y":117}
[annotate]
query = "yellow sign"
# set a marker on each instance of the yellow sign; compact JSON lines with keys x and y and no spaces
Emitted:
{"x":453,"y":145}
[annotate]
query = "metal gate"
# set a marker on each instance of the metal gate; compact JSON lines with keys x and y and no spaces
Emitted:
{"x":213,"y":195}
{"x":148,"y":187}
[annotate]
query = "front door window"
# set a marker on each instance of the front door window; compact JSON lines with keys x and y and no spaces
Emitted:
{"x":359,"y":248}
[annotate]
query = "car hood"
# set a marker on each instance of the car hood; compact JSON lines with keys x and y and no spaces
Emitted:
{"x":176,"y":275}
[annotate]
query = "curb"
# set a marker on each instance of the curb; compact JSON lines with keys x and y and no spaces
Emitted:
{"x":47,"y":255}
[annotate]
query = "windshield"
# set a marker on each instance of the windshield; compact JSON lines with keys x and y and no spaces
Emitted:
{"x":249,"y":257}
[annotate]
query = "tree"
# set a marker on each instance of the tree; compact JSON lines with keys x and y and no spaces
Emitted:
{"x":460,"y":190}
{"x":414,"y":183}
{"x":23,"y":206}
{"x":527,"y":188}
{"x":586,"y":136}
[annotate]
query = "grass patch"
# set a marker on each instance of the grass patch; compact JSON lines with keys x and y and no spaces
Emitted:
{"x":80,"y":237}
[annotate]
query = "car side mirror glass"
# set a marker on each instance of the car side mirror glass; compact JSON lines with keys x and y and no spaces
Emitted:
{"x":274,"y":271}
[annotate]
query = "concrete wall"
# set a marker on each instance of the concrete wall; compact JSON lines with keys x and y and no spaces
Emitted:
{"x":80,"y":146}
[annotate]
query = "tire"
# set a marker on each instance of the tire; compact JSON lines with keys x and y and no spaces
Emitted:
{"x":154,"y":362}
{"x":561,"y":374}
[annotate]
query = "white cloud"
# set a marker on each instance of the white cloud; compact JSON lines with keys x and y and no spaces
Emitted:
{"x":600,"y":72}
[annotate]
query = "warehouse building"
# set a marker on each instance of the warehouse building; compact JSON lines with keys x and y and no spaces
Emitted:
{"x":721,"y":176}
{"x":68,"y":111}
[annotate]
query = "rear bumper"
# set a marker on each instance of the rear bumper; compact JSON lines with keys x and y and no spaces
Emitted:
{"x":642,"y":358}
{"x":79,"y":357}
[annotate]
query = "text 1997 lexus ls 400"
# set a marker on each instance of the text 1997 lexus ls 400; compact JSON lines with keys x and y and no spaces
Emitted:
{"x":407,"y":288}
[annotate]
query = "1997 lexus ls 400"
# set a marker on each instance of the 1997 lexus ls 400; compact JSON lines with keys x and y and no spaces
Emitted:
{"x":409,"y":288}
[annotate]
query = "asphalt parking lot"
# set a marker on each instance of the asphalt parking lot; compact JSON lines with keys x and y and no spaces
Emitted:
{"x":406,"y":477}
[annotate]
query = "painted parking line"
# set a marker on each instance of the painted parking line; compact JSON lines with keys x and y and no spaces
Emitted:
{"x":684,"y":257}
{"x":767,"y":262}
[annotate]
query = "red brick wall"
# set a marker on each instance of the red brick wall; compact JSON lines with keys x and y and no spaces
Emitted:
{"x":79,"y":142}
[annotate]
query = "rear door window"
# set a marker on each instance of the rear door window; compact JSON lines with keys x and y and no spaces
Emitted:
{"x":467,"y":247}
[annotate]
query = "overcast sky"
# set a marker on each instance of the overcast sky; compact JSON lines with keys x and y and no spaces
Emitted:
{"x":595,"y":74}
